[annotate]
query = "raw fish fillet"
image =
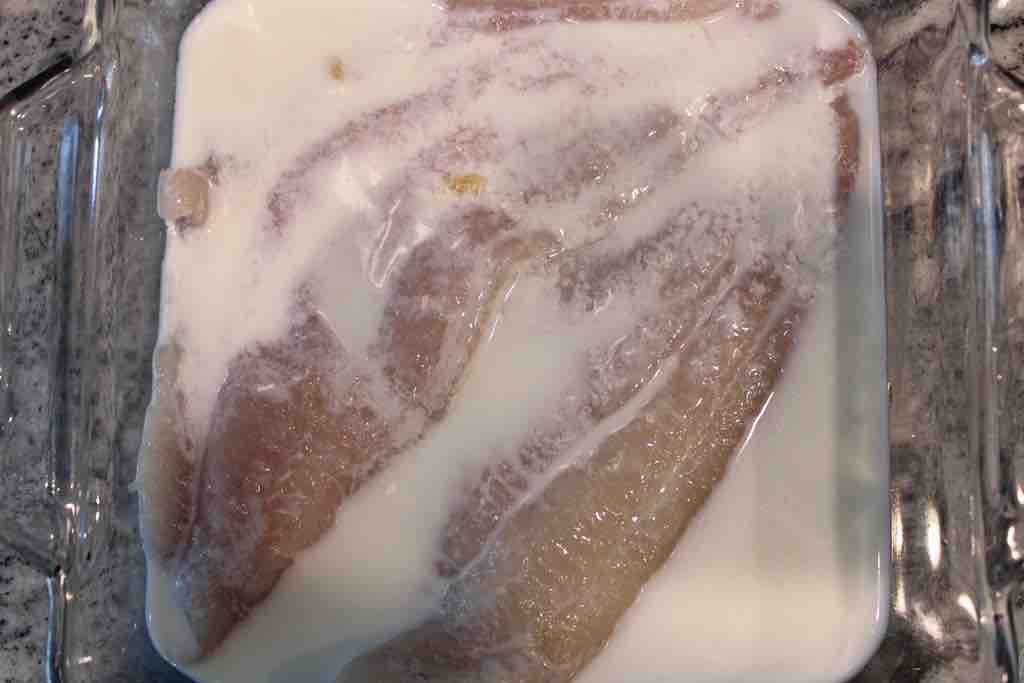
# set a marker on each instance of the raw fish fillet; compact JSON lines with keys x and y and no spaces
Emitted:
{"x":544,"y":595}
{"x":299,"y":425}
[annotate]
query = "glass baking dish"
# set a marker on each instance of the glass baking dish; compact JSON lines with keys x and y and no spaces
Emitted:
{"x":81,"y":147}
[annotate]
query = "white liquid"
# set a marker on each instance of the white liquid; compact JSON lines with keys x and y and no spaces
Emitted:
{"x":783,"y":575}
{"x":780,"y":577}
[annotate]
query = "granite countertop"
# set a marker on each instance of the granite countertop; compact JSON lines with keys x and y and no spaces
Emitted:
{"x":33,"y":33}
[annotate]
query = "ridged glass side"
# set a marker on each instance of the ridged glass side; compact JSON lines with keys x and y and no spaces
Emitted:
{"x":950,"y":151}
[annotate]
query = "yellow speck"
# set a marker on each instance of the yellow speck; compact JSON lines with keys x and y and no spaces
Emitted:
{"x":337,"y":70}
{"x":466,"y":184}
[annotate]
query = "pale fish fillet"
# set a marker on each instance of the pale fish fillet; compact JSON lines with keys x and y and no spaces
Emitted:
{"x":545,"y":594}
{"x":299,"y":425}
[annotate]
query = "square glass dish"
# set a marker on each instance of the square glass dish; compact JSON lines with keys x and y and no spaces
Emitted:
{"x":81,"y":245}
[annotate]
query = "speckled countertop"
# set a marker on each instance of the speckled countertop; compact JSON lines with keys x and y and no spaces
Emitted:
{"x":33,"y":33}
